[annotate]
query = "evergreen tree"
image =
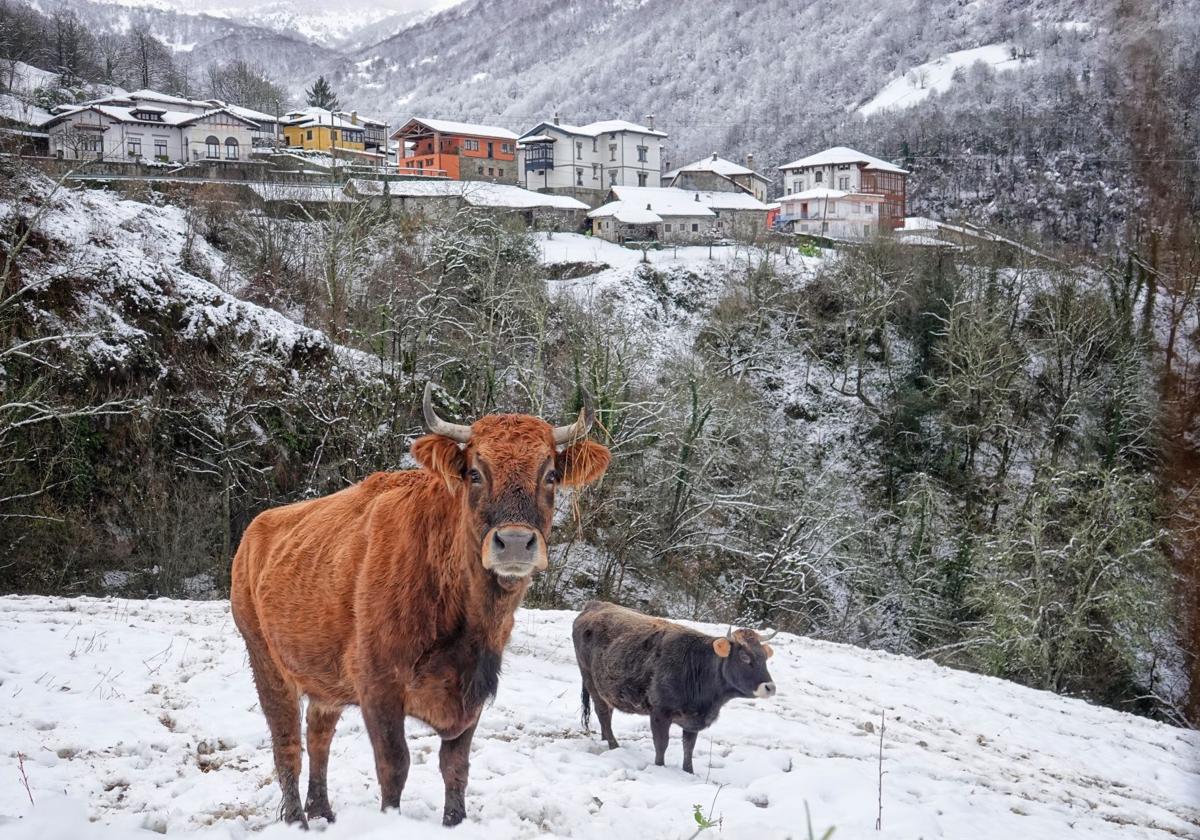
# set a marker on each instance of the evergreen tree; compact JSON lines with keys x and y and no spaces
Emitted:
{"x":321,"y":95}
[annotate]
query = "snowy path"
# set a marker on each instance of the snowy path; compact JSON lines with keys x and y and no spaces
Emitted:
{"x":141,"y":715}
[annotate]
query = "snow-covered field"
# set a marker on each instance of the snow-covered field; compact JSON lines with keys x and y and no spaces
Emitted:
{"x":938,"y":75}
{"x":140,"y":716}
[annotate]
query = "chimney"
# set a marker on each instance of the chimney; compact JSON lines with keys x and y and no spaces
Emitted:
{"x":647,"y":205}
{"x":750,"y":161}
{"x":697,"y":197}
{"x":650,"y":121}
{"x":556,"y":117}
{"x":714,"y":157}
{"x":354,"y":117}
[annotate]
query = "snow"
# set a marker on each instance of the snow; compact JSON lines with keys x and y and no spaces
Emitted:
{"x":843,"y":154}
{"x":628,"y":213}
{"x":719,"y":165}
{"x":15,"y":109}
{"x":303,"y":193}
{"x":475,"y":193}
{"x":595,"y":129}
{"x":682,"y":202}
{"x":937,"y":75}
{"x":451,"y":127}
{"x":141,"y":715}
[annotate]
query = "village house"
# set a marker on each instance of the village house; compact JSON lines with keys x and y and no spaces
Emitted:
{"x":22,"y":126}
{"x":672,"y":215}
{"x":436,"y":197}
{"x":375,"y":132}
{"x":148,"y":126}
{"x":811,"y":206}
{"x":460,"y":151}
{"x":588,"y":160}
{"x":717,"y":173}
{"x":320,"y":130}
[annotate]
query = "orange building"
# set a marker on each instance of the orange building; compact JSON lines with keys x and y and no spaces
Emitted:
{"x":461,"y":151}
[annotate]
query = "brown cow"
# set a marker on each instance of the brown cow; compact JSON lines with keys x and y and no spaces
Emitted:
{"x":398,"y":594}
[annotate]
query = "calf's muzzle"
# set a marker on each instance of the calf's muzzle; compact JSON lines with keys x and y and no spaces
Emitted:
{"x":514,"y":551}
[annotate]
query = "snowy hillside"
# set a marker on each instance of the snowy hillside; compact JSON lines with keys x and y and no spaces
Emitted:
{"x":141,"y":715}
{"x":937,"y":76}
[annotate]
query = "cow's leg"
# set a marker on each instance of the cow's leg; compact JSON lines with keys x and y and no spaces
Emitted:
{"x":384,"y":717}
{"x":320,"y":723}
{"x":660,"y":728}
{"x":280,"y":702}
{"x":455,"y":761}
{"x":689,"y":744}
{"x":604,"y":715}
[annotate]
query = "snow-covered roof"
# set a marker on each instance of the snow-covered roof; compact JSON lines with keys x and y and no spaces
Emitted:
{"x":672,"y":197}
{"x":474,"y":193}
{"x":362,"y":120}
{"x":719,"y":165}
{"x":594,"y":129}
{"x":306,"y":193}
{"x":451,"y":127}
{"x":126,"y":114}
{"x":166,"y":98}
{"x":843,"y":154}
{"x":244,"y":113}
{"x":304,"y":117}
{"x":538,"y":138}
{"x":814,"y":194}
{"x":627,"y":213}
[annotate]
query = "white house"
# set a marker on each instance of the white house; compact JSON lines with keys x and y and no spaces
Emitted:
{"x":837,"y":214}
{"x":674,"y":215}
{"x":717,"y":173}
{"x":587,"y":160}
{"x":846,"y":170}
{"x":141,"y":128}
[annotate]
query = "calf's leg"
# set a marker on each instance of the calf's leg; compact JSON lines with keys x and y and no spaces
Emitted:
{"x":384,"y":717}
{"x":455,"y":761}
{"x":280,"y":702}
{"x":660,"y":728}
{"x":320,"y":723}
{"x":689,"y":743}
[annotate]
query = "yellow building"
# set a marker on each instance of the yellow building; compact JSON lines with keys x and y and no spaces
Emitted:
{"x":319,"y":130}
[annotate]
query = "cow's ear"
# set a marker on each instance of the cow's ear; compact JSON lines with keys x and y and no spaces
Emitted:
{"x":722,"y":647}
{"x":767,"y":650}
{"x":442,"y":457}
{"x":583,"y":462}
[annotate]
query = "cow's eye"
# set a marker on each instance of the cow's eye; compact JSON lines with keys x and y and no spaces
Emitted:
{"x":474,"y":475}
{"x":745,"y":657}
{"x":552,"y":477}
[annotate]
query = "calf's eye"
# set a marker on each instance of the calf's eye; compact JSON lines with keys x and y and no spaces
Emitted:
{"x":552,"y":477}
{"x":745,"y":657}
{"x":475,"y":477}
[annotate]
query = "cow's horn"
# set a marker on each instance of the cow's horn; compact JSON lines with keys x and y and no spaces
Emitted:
{"x":436,"y":425}
{"x":729,"y":633}
{"x":566,"y":435}
{"x":768,"y":637}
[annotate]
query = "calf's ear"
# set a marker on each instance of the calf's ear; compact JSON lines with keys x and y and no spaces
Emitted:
{"x":767,"y":650}
{"x":583,"y":462}
{"x":442,"y":457}
{"x":722,"y":648}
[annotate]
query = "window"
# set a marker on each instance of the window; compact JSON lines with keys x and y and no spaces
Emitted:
{"x":500,"y":173}
{"x":491,"y":170}
{"x":695,"y":228}
{"x":471,"y":145}
{"x":506,"y":148}
{"x":844,"y":183}
{"x":308,"y":134}
{"x":579,"y":177}
{"x":481,"y":169}
{"x":869,"y":210}
{"x":595,"y":171}
{"x":612,"y":177}
{"x":818,"y":177}
{"x":667,"y":227}
{"x":333,"y":134}
{"x":231,"y":148}
{"x":594,"y":146}
{"x":866,"y":230}
{"x":578,"y":151}
{"x":160,"y":148}
{"x":843,"y":167}
{"x":642,"y":152}
{"x":213,"y":147}
{"x":831,"y":209}
{"x":134,"y":144}
{"x":641,"y":179}
{"x":612,"y":151}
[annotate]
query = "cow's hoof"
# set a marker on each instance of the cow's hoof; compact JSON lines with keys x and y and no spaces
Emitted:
{"x":452,"y":817}
{"x":612,"y":745}
{"x":293,"y":815}
{"x":687,"y":768}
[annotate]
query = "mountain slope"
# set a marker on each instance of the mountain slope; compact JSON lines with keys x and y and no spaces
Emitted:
{"x":142,"y":715}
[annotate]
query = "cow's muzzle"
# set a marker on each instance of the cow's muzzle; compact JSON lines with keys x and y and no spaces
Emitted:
{"x":766,"y":689}
{"x":514,"y":551}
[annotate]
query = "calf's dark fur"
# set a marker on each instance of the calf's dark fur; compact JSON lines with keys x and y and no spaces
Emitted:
{"x":648,"y":666}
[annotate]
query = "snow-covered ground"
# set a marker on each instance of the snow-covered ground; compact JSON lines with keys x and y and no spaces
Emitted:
{"x":938,"y":75}
{"x":141,"y":715}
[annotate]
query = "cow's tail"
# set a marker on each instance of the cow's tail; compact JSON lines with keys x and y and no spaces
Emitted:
{"x":585,"y":700}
